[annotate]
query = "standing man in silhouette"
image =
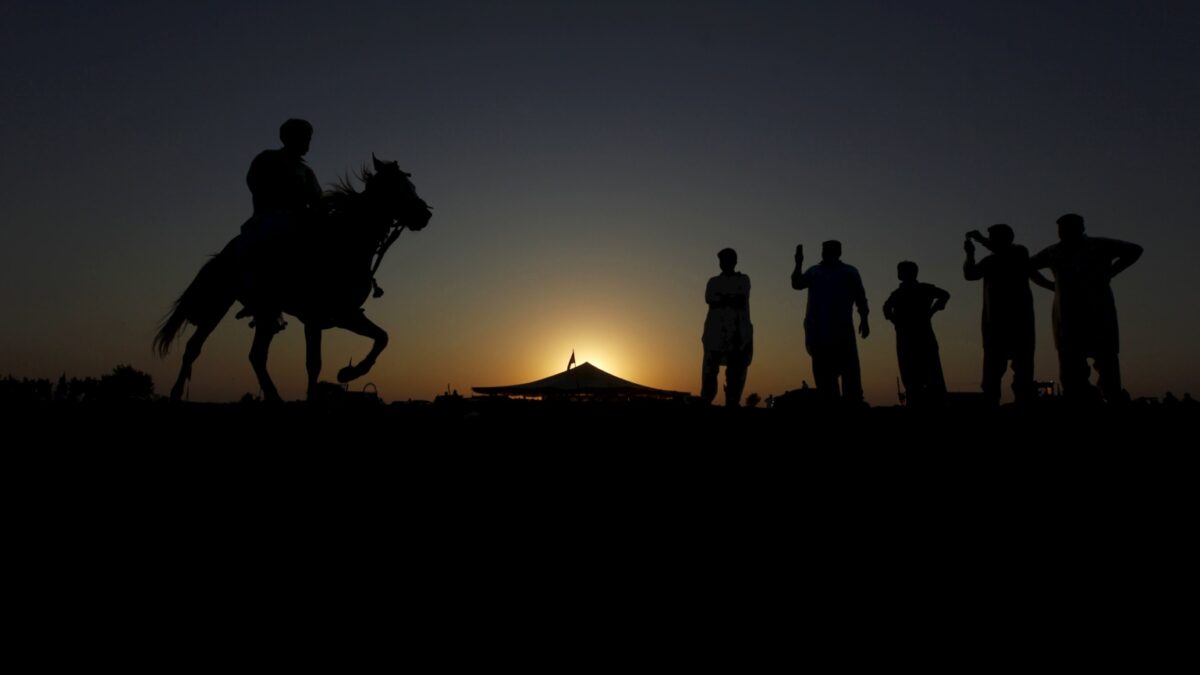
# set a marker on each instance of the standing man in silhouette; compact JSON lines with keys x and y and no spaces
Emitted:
{"x":1008,"y":327}
{"x":728,"y":334}
{"x":910,"y":308}
{"x":285,"y":193}
{"x":1085,"y":313}
{"x":834,"y":288}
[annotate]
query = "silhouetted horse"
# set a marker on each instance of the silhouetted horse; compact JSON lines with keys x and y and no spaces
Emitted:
{"x":322,"y":274}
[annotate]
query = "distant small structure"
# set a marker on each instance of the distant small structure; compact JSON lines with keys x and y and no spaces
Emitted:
{"x":804,"y":396}
{"x":450,"y":397}
{"x":340,"y":394}
{"x":369,"y":397}
{"x":584,"y":382}
{"x":1049,"y":389}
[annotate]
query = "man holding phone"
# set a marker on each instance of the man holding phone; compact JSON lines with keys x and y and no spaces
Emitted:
{"x":834,"y":290}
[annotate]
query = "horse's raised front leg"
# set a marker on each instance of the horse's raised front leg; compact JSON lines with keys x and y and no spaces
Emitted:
{"x":190,"y":354}
{"x":264,"y":332}
{"x":312,"y":358}
{"x":360,"y":324}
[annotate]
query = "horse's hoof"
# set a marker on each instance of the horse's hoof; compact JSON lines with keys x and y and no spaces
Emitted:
{"x":348,"y":373}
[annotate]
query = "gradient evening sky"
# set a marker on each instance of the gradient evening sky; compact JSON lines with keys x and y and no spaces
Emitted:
{"x":586,"y":161}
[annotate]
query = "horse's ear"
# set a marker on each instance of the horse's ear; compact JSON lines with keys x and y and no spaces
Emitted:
{"x":381,"y":166}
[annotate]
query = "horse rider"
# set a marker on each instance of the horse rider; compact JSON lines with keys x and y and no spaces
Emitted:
{"x":282,"y":185}
{"x":285,"y":192}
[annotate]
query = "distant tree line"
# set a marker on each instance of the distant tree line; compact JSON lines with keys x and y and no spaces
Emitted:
{"x":124,"y":383}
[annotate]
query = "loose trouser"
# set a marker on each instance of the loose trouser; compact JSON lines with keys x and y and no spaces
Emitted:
{"x":833,"y":361}
{"x":736,"y":365}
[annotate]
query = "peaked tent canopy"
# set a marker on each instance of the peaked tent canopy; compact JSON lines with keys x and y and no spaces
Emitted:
{"x":583,"y":380}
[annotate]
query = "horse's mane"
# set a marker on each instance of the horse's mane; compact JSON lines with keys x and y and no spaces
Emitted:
{"x":342,"y":193}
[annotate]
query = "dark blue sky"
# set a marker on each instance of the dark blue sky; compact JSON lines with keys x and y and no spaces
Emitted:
{"x":586,"y":161}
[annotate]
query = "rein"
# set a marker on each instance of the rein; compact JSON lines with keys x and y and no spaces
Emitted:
{"x":383,"y":247}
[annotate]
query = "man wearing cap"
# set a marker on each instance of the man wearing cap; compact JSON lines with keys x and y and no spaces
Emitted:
{"x":1085,"y":312}
{"x":728,"y":334}
{"x":910,"y":308}
{"x":834,"y":289}
{"x":284,"y":191}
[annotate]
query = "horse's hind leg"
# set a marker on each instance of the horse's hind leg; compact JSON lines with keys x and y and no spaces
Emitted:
{"x":264,"y":332}
{"x":190,"y":354}
{"x":360,"y":324}
{"x":312,"y":357}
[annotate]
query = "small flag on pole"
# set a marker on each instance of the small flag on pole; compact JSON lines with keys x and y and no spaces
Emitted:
{"x":572,"y":361}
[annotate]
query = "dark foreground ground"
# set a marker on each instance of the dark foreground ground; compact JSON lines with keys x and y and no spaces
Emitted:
{"x":486,"y":454}
{"x":410,"y":431}
{"x":560,"y":444}
{"x":588,"y":526}
{"x":654,"y":467}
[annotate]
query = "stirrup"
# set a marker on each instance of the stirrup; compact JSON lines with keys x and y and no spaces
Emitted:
{"x":277,"y":323}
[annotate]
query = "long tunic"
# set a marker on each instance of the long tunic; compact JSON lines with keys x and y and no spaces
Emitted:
{"x":908,"y":308}
{"x":834,"y":288}
{"x":281,"y":182}
{"x":1008,"y":324}
{"x":727,"y":328}
{"x":1085,"y":313}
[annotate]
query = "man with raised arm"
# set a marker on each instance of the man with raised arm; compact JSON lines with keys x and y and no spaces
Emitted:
{"x":834,"y":290}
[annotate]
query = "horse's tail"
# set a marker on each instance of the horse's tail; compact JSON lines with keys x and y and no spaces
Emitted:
{"x":206,"y":300}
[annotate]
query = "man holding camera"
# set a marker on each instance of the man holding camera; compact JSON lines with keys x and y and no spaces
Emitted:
{"x":1008,"y":325}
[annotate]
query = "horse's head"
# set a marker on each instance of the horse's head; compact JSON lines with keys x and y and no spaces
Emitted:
{"x":395,"y":195}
